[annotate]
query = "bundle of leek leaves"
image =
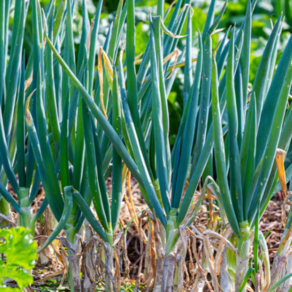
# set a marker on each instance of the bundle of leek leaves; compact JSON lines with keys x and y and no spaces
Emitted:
{"x":70,"y":127}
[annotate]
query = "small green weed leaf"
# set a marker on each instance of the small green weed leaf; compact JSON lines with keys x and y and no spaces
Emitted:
{"x":19,"y":247}
{"x":20,"y":253}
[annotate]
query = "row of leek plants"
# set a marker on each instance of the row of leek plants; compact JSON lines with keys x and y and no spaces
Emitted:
{"x":72,"y":124}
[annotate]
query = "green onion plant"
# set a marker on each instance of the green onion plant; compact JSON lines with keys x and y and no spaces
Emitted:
{"x":247,"y":160}
{"x":14,"y":161}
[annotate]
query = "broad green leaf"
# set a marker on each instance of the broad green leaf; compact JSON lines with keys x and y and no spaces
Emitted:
{"x":205,"y":93}
{"x":249,"y":160}
{"x":92,"y":167}
{"x":147,"y":183}
{"x":209,"y":20}
{"x":157,"y":122}
{"x":132,"y":81}
{"x":234,"y":158}
{"x":188,"y":77}
{"x":245,"y":55}
{"x":93,"y":46}
{"x":117,"y":162}
{"x":220,"y":155}
{"x":189,"y":131}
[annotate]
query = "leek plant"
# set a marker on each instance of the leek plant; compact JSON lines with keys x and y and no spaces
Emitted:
{"x":254,"y":135}
{"x":13,"y":85}
{"x":168,"y":180}
{"x":74,"y":164}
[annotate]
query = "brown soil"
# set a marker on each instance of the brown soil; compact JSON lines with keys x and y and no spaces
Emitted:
{"x":270,"y":223}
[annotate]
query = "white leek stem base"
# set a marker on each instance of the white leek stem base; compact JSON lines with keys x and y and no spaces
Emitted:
{"x":242,"y":259}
